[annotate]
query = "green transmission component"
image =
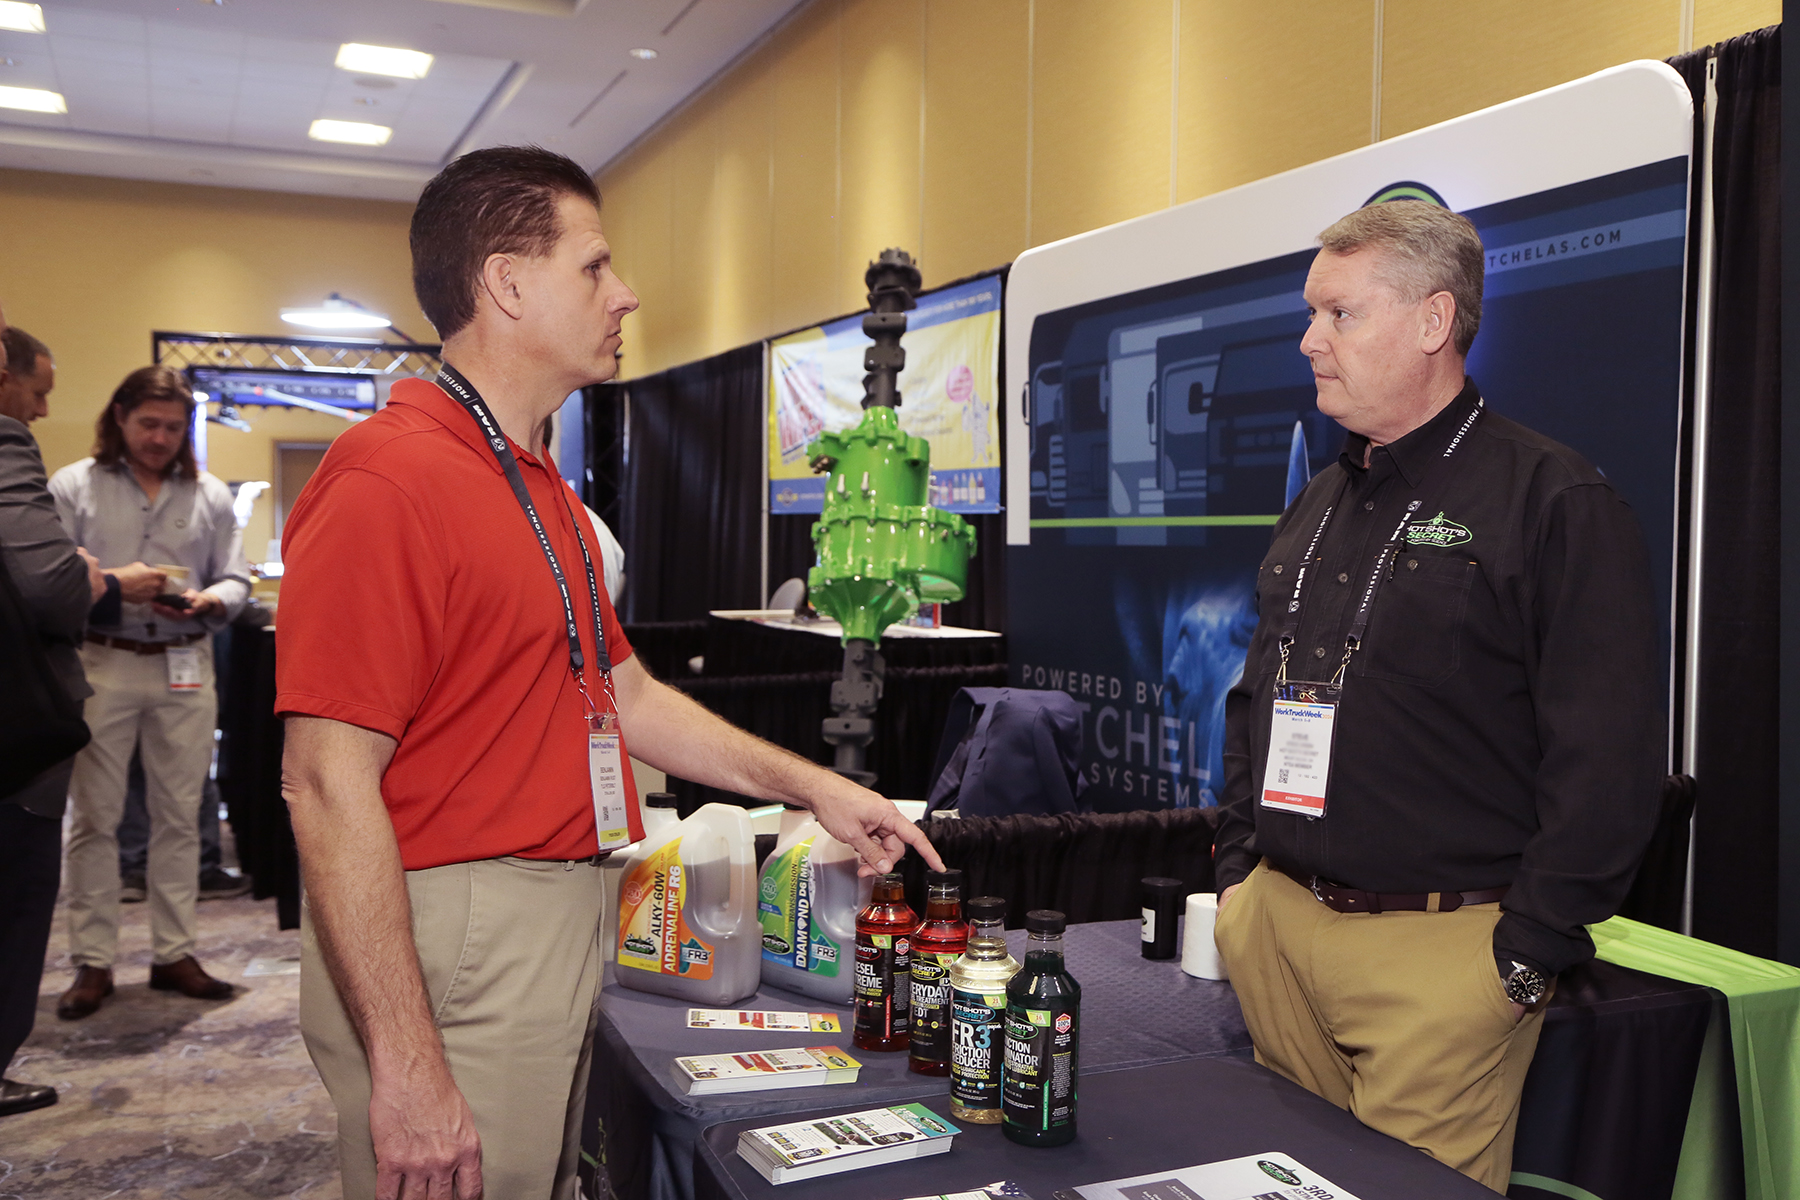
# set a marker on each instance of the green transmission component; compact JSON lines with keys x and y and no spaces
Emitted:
{"x":881,"y":550}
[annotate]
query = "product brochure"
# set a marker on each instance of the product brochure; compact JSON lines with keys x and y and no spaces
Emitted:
{"x":767,"y":1021}
{"x":762,"y":1070}
{"x":1269,"y":1176}
{"x":809,"y":1149}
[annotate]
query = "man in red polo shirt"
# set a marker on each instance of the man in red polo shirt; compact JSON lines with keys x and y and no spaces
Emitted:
{"x":454,"y":685}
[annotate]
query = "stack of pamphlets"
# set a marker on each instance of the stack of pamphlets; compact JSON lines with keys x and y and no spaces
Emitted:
{"x":809,"y":1149}
{"x":1271,"y":1176}
{"x":762,"y":1070}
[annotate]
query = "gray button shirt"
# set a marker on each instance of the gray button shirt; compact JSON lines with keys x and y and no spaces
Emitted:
{"x":190,"y":524}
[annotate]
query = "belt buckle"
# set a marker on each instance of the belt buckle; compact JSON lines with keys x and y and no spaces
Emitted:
{"x":1313,"y":883}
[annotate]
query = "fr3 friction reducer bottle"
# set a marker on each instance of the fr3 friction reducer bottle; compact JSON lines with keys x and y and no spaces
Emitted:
{"x":807,"y":902}
{"x":884,"y":968}
{"x":978,"y":982}
{"x":1043,"y":1039}
{"x":937,"y":945}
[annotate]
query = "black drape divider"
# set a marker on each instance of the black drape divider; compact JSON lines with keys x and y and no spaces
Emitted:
{"x":691,"y":514}
{"x":1737,"y":746}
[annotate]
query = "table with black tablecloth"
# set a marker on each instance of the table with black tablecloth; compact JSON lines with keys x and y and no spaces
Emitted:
{"x":1132,"y":1122}
{"x":642,"y":1130}
{"x":1605,"y":1105}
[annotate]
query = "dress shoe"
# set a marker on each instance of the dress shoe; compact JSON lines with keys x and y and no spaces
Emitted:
{"x":18,"y":1097}
{"x":91,"y":986}
{"x":131,"y":889}
{"x":188,"y":977}
{"x":220,"y":884}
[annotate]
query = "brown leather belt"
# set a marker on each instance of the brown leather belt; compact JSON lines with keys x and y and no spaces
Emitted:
{"x":100,"y":639}
{"x":1355,"y":900}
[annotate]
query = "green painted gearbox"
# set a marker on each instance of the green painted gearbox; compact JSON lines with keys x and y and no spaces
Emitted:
{"x":881,"y":550}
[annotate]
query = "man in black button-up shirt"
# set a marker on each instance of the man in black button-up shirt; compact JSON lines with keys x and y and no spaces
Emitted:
{"x":1497,"y":736}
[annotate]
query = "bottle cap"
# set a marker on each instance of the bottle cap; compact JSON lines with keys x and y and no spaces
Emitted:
{"x":951,"y":877}
{"x":660,"y":800}
{"x":891,"y":879}
{"x":1045,"y":920}
{"x":985,"y":908}
{"x":1160,"y":885}
{"x":794,"y":807}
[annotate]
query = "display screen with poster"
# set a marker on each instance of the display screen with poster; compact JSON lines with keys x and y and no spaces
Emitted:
{"x":950,"y":390}
{"x":1168,"y":416}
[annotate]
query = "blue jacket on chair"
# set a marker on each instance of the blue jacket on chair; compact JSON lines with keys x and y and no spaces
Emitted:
{"x":1018,"y":755}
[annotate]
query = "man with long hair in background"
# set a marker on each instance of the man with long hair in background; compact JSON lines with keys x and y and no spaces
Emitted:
{"x":142,"y":497}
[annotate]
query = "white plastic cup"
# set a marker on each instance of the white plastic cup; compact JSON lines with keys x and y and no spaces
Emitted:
{"x":1199,"y":954}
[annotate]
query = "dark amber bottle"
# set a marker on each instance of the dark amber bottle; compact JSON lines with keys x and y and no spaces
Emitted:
{"x":883,"y":1001}
{"x":939,"y":942}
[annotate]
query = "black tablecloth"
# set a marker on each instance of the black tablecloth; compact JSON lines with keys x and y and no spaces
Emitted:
{"x":1137,"y":1013}
{"x":1604,"y":1106}
{"x":1131,"y":1122}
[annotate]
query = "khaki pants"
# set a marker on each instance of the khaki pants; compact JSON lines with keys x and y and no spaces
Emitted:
{"x":510,"y":950}
{"x":133,"y":708}
{"x":1398,"y":1017}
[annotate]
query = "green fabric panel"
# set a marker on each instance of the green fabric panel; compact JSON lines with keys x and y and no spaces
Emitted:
{"x":1763,"y":999}
{"x":1712,"y":1149}
{"x":1555,"y":1187}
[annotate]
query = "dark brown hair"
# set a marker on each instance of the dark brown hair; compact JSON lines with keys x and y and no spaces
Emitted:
{"x":140,"y":387}
{"x":21,"y":351}
{"x":496,"y":201}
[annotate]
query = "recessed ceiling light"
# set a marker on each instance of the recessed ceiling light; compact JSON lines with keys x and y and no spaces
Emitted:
{"x":383,"y":60}
{"x":643,"y":52}
{"x":32,"y":100}
{"x":26,"y":18}
{"x":356,"y":133}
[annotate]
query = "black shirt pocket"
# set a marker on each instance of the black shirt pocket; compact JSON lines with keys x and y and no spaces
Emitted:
{"x":1416,"y":630}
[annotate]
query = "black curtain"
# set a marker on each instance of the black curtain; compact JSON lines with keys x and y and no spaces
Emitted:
{"x":1735,"y":842}
{"x":691,"y":512}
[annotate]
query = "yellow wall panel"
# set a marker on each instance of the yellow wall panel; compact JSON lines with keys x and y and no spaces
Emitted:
{"x":1716,"y":20}
{"x":803,"y":276}
{"x":973,"y":213}
{"x":693,"y":242}
{"x":1441,"y":61}
{"x":1101,"y":113}
{"x":742,"y":211}
{"x":635,"y":218}
{"x":1251,"y":106}
{"x":109,"y":261}
{"x":881,"y":85}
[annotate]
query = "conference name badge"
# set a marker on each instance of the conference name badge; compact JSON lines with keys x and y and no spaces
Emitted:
{"x":184,"y":668}
{"x":1299,"y":762}
{"x":606,"y":776}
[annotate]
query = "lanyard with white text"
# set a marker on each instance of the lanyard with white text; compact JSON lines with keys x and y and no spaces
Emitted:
{"x":452,"y":381}
{"x":1359,"y":627}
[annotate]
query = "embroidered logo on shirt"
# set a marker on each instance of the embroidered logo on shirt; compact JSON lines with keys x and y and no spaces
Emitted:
{"x":1437,"y":532}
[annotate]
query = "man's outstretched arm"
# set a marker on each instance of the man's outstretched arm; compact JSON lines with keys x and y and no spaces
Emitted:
{"x":423,"y":1131}
{"x":671,"y":732}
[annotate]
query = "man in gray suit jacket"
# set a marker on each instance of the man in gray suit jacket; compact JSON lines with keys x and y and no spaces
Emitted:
{"x":59,"y":583}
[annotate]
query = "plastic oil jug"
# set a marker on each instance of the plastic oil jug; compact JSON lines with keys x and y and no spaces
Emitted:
{"x":808,"y":900}
{"x":658,"y":813}
{"x":687,"y":910}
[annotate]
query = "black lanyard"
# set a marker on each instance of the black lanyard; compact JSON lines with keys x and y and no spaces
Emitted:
{"x":1359,"y":627}
{"x":452,"y":381}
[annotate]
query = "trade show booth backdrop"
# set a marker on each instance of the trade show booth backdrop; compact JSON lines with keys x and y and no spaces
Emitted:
{"x":1202,"y":324}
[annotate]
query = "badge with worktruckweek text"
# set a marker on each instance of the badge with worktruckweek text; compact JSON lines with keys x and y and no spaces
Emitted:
{"x":1299,"y":763}
{"x":606,"y":775}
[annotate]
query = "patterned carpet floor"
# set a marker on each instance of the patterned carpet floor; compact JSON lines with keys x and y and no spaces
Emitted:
{"x":166,"y":1097}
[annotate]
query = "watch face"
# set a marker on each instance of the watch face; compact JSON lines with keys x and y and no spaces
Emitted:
{"x":1525,"y":986}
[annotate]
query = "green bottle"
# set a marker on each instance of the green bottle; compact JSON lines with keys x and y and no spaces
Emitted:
{"x":1043,"y":1040}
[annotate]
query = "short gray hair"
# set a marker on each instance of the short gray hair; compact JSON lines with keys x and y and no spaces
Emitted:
{"x":1427,"y":250}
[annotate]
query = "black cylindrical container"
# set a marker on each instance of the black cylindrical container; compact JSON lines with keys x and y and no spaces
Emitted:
{"x":1162,"y":904}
